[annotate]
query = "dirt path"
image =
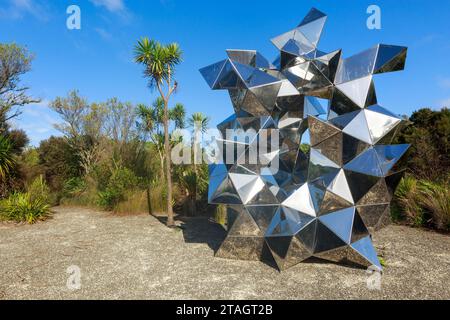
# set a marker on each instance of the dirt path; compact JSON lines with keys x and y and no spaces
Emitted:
{"x":138,"y":257}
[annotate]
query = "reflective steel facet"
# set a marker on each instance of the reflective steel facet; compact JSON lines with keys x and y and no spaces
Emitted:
{"x":334,"y":176}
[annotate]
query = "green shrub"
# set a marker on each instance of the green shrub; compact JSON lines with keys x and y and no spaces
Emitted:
{"x":74,"y":187}
{"x":59,"y":161}
{"x":24,"y":207}
{"x":39,"y":189}
{"x":109,"y":198}
{"x":122,"y":179}
{"x":28,"y":206}
{"x":194,"y":185}
{"x":101,"y":175}
{"x":80,"y":192}
{"x":29,"y":167}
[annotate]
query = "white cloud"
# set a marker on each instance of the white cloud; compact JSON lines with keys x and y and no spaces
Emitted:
{"x":104,"y":34}
{"x":41,"y":111}
{"x":116,"y":7}
{"x":44,"y":103}
{"x":17,"y":9}
{"x":167,"y":3}
{"x":444,"y":103}
{"x":427,"y":40}
{"x":110,"y":5}
{"x":444,"y":82}
{"x":38,"y":122}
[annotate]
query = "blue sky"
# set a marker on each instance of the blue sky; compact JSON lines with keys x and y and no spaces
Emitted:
{"x":97,"y":60}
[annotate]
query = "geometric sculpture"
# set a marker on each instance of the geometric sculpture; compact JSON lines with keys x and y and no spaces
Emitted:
{"x":334,"y":176}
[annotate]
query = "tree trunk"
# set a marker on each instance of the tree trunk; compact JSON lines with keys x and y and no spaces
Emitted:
{"x":192,"y":207}
{"x":170,"y":220}
{"x":195,"y":166}
{"x":194,"y":199}
{"x":189,"y":204}
{"x":161,"y":160}
{"x":195,"y":151}
{"x":149,"y":199}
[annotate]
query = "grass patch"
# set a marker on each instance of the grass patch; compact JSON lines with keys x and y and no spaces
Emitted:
{"x":382,"y":261}
{"x":136,"y":201}
{"x":422,"y":203}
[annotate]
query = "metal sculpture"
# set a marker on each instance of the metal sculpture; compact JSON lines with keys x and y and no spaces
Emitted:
{"x":328,"y":180}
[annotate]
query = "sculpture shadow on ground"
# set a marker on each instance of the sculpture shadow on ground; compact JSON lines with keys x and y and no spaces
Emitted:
{"x":202,"y":230}
{"x":199,"y":230}
{"x":206,"y":230}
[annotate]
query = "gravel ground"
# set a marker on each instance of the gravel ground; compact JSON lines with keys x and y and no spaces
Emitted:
{"x":137,"y":257}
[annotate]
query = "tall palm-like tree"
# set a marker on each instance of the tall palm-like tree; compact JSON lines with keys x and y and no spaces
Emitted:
{"x":199,"y":120}
{"x":160,"y":62}
{"x":199,"y":124}
{"x":193,"y":183}
{"x":178,"y":115}
{"x":151,"y":120}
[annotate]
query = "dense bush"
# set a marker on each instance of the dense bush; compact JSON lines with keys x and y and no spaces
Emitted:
{"x":28,"y":165}
{"x":194,"y":183}
{"x":74,"y":187}
{"x":38,"y":189}
{"x":122,"y":179}
{"x":429,"y":136}
{"x":58,"y":161}
{"x":80,"y":191}
{"x":19,"y":140}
